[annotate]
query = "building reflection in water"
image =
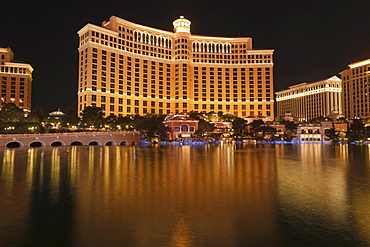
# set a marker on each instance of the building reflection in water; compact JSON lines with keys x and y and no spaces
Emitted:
{"x":314,"y":188}
{"x":184,"y":190}
{"x":183,"y":195}
{"x":8,"y":169}
{"x":14,"y":198}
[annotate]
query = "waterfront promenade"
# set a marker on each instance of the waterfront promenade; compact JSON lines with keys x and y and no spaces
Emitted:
{"x":106,"y":138}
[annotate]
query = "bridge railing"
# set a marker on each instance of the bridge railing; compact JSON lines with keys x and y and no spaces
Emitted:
{"x":71,"y":133}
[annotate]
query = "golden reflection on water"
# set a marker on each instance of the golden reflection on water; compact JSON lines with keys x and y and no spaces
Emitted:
{"x":178,"y":189}
{"x":8,"y":169}
{"x":55,"y":174}
{"x":188,"y":196}
{"x":315,"y":187}
{"x":318,"y":184}
{"x":31,"y":164}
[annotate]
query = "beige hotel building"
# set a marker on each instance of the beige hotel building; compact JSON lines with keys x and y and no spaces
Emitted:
{"x":16,"y":80}
{"x":311,"y":100}
{"x":356,"y":89}
{"x":127,"y":68}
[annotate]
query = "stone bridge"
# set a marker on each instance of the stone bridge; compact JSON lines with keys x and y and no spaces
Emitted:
{"x":107,"y":138}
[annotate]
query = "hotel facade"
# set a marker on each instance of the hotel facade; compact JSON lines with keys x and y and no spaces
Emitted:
{"x":311,"y":100}
{"x":356,"y":90}
{"x":127,"y":68}
{"x":16,"y":81}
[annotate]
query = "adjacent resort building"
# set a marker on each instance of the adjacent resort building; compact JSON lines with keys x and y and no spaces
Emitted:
{"x":356,"y":91}
{"x":127,"y":68}
{"x":16,"y":81}
{"x":311,"y":100}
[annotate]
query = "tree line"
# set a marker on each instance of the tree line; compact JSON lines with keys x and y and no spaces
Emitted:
{"x":14,"y":120}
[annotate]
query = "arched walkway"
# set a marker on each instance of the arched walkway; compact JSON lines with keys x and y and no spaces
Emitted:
{"x":77,"y":143}
{"x":37,"y":144}
{"x":57,"y":144}
{"x":14,"y":145}
{"x":94,"y":143}
{"x":108,"y":138}
{"x":110,"y":143}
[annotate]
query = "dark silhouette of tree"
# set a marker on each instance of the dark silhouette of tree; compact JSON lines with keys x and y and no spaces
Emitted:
{"x":92,"y":116}
{"x":37,"y":115}
{"x":125,"y":122}
{"x":151,"y":126}
{"x":70,"y":117}
{"x":195,"y":115}
{"x":111,"y":120}
{"x":11,"y":113}
{"x":356,"y":131}
{"x":238,"y":125}
{"x":136,"y":122}
{"x":318,"y":119}
{"x":204,"y":127}
{"x":256,"y":124}
{"x":332,"y":134}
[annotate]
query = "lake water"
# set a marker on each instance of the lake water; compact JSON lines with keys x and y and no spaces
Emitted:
{"x":225,"y":195}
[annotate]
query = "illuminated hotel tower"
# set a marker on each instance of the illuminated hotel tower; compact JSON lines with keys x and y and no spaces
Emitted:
{"x":356,"y":92}
{"x":126,"y":68}
{"x":311,"y":100}
{"x":16,"y":80}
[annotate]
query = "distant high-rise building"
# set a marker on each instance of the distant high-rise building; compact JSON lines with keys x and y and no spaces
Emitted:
{"x":311,"y":100}
{"x":356,"y":89}
{"x":16,"y":80}
{"x":127,"y":68}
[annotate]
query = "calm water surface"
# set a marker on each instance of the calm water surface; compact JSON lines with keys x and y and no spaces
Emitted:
{"x":227,"y":195}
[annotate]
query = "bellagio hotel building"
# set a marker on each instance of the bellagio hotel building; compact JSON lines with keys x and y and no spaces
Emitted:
{"x":127,"y":68}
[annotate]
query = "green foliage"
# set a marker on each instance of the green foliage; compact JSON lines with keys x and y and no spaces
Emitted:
{"x":238,"y":125}
{"x":256,"y":125}
{"x":333,"y":135}
{"x":11,"y":113}
{"x":36,"y":115}
{"x":195,"y":115}
{"x":204,"y":127}
{"x":356,"y":131}
{"x":92,"y":116}
{"x":70,"y":117}
{"x":111,"y":121}
{"x":289,"y":125}
{"x":319,"y":119}
{"x":151,"y":126}
{"x":267,"y":130}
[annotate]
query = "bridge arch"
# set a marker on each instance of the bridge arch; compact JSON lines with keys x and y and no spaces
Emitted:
{"x":76,"y":143}
{"x":57,"y":144}
{"x":37,"y":144}
{"x":94,"y":143}
{"x":133,"y":143}
{"x":115,"y":138}
{"x":14,"y":144}
{"x":110,"y":143}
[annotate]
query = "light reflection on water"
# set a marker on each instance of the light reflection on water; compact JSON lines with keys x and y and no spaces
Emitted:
{"x":254,"y":195}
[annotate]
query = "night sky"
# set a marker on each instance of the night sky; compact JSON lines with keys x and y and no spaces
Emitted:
{"x":313,"y":40}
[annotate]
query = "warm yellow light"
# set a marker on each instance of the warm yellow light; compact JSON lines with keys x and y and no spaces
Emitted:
{"x":358,"y":64}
